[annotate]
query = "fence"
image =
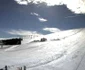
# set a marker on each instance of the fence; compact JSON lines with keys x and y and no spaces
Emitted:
{"x":18,"y":68}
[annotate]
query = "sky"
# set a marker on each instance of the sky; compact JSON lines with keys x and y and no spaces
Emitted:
{"x":23,"y":17}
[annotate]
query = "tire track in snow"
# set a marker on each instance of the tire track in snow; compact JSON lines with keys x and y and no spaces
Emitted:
{"x":49,"y":60}
{"x":41,"y":62}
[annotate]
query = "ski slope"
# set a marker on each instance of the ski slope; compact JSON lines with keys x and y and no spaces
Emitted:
{"x":67,"y":53}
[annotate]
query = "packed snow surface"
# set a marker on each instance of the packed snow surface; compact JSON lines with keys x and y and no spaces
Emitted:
{"x":63,"y":50}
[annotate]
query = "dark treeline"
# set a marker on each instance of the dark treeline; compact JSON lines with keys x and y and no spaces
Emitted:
{"x":15,"y":41}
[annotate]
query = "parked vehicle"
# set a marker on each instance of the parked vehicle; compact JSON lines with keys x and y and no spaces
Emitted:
{"x":43,"y":40}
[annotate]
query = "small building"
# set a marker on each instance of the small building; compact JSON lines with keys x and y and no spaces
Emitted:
{"x":14,"y":41}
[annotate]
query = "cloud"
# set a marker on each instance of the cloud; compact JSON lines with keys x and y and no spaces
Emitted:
{"x":53,"y":30}
{"x":49,"y":2}
{"x":76,"y":6}
{"x":38,"y":16}
{"x":22,"y":2}
{"x":73,"y":16}
{"x":42,"y":19}
{"x":23,"y":32}
{"x":35,"y":14}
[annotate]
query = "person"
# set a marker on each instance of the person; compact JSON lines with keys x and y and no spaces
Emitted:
{"x":1,"y":43}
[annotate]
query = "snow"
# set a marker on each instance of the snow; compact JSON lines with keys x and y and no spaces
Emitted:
{"x":64,"y":54}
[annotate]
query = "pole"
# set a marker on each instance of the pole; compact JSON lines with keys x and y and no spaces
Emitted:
{"x":24,"y":67}
{"x":6,"y":68}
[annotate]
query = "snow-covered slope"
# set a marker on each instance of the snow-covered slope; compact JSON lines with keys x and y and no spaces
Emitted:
{"x":28,"y":38}
{"x":63,"y":54}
